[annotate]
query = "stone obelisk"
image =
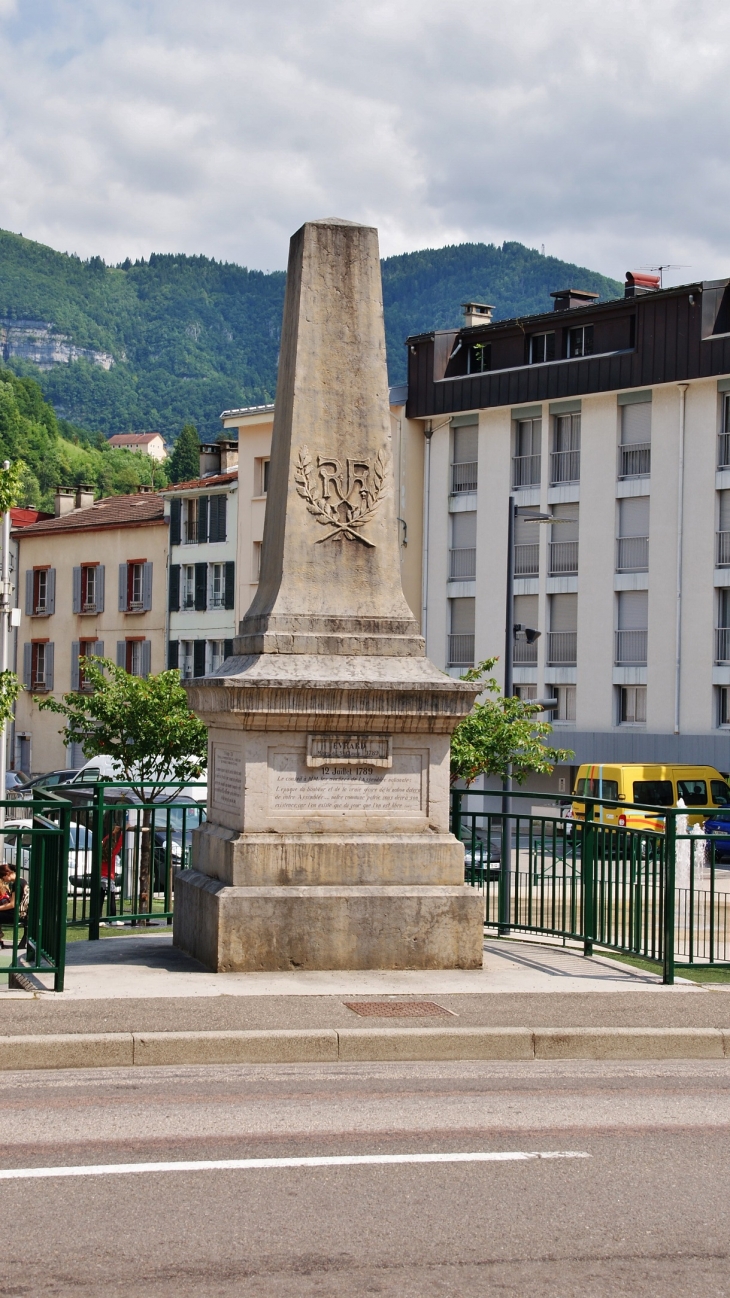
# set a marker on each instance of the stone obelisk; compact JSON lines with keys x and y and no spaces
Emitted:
{"x":327,"y":844}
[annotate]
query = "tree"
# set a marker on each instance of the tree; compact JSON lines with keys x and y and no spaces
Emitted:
{"x":501,"y":733}
{"x":145,"y":724}
{"x":184,"y":463}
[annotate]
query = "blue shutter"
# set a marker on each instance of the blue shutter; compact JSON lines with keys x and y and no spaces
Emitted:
{"x":146,"y":657}
{"x":98,"y":648}
{"x":27,"y":663}
{"x":100,"y":588}
{"x":49,"y":666}
{"x":146,"y":587}
{"x":76,"y":596}
{"x":121,"y":653}
{"x":51,"y":592}
{"x":75,"y":671}
{"x":176,"y":522}
{"x":122,"y":588}
{"x":29,"y":610}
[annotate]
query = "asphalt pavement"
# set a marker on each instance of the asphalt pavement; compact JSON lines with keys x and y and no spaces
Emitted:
{"x":640,"y":1208}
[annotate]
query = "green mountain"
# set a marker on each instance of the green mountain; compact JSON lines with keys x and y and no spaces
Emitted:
{"x":154,"y":344}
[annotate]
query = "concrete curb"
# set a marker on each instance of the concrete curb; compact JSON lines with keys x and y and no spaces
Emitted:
{"x":363,"y":1045}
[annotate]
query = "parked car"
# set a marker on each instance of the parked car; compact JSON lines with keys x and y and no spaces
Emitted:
{"x":104,"y":767}
{"x":48,"y":781}
{"x":718,"y":825}
{"x":14,"y":782}
{"x":79,"y":850}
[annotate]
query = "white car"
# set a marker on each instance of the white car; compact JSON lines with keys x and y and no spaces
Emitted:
{"x":79,"y":850}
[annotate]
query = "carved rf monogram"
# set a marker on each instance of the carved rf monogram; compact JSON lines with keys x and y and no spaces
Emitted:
{"x":345,"y":497}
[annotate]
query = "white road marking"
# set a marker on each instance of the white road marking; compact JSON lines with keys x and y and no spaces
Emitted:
{"x":256,"y":1164}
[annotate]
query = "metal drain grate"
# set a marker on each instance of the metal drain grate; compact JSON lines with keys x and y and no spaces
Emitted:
{"x":397,"y":1009}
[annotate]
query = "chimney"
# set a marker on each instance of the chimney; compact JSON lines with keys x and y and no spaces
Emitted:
{"x":568,"y":298}
{"x":64,"y":501}
{"x":476,"y":313}
{"x":210,"y":459}
{"x":84,"y":496}
{"x":229,"y":455}
{"x":144,"y":489}
{"x":637,"y":284}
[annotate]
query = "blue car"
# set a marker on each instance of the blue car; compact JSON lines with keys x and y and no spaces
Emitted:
{"x":718,"y":824}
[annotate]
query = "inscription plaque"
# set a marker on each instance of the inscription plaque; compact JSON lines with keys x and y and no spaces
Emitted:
{"x":350,"y":750}
{"x":227,"y":778}
{"x":337,"y":786}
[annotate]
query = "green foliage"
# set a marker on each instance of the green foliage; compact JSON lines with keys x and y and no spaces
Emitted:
{"x":143,"y":722}
{"x":184,"y":463}
{"x":49,"y":452}
{"x":191,"y":336}
{"x":10,"y":688}
{"x":12,"y":482}
{"x":500,"y":733}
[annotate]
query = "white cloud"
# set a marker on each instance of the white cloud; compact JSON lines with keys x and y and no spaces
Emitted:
{"x":598,"y":129}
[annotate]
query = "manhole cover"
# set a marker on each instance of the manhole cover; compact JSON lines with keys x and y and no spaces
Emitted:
{"x":397,"y":1009}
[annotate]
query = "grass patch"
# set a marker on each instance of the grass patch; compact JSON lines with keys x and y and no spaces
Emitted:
{"x":701,"y":973}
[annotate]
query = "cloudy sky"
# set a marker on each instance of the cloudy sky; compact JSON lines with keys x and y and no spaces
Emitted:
{"x":598,"y":128}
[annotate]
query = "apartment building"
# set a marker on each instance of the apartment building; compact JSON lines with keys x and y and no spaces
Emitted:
{"x":253,"y":427}
{"x":604,"y":427}
{"x":93,"y":580}
{"x":203,"y":599}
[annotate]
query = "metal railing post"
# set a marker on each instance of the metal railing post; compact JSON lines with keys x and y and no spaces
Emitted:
{"x":64,"y":847}
{"x":96,"y":850}
{"x":669,"y":899}
{"x":588,"y":870}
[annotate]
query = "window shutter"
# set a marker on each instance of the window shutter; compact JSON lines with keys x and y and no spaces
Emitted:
{"x":173,"y":595}
{"x":146,"y":587}
{"x":176,"y":522}
{"x":173,"y":654}
{"x":29,"y":610}
{"x":121,"y":652}
{"x":122,"y":589}
{"x":98,"y":648}
{"x":202,"y":519}
{"x":217,"y":518}
{"x":100,"y":588}
{"x":27,"y":663}
{"x":75,"y":671}
{"x":198,"y":657}
{"x":227,"y":648}
{"x":222,"y":517}
{"x":76,"y":597}
{"x":230,"y":592}
{"x":51,"y":588}
{"x":49,"y":666}
{"x":201,"y":587}
{"x":146,"y":657}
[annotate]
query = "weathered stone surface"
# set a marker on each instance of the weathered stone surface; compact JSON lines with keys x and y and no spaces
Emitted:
{"x":308,"y":860}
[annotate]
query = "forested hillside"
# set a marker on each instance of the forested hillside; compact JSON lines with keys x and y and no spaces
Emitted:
{"x":190,"y":336}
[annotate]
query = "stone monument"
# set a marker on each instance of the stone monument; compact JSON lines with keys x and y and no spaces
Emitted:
{"x":327,"y":844}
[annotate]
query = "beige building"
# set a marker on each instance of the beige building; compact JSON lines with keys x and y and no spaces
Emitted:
{"x":253,"y":426}
{"x":92,"y":580}
{"x":152,"y":444}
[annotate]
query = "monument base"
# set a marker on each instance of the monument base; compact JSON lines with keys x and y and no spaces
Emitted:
{"x":260,"y":929}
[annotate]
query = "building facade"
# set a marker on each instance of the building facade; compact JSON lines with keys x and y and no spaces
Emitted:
{"x":152,"y":444}
{"x":611,"y":423}
{"x":203,"y":596}
{"x":92,"y":580}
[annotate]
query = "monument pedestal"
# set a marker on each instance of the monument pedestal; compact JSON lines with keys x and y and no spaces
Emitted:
{"x":327,"y":844}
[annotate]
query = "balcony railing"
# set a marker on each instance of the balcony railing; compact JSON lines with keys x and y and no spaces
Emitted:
{"x":525,"y":470}
{"x":632,"y":554}
{"x":527,"y":560}
{"x":564,"y":467}
{"x":462,"y":564}
{"x":723,"y":451}
{"x":524,"y":653}
{"x":634,"y":461}
{"x":461,"y":650}
{"x":722,"y":644}
{"x":631,"y":648}
{"x":561,"y":648}
{"x":723,"y":550}
{"x":563,"y":558}
{"x":463,"y":477}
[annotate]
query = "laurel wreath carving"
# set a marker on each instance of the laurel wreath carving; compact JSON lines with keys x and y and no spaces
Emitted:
{"x":326,"y":511}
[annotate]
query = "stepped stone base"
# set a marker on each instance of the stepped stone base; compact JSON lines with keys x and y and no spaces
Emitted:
{"x":250,"y":929}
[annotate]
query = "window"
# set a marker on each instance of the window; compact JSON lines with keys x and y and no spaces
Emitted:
{"x":723,"y":450}
{"x":632,"y":546}
{"x":720,"y":793}
{"x":190,"y":521}
{"x":722,"y":631}
{"x":79,"y":650}
{"x":135,"y":655}
{"x":265,"y":476}
{"x":40,"y":592}
{"x":40,"y":663}
{"x":88,"y":588}
{"x":461,"y":637}
{"x":465,"y":455}
{"x":525,"y":616}
{"x":657,"y":793}
{"x":565,"y":457}
{"x":632,"y":705}
{"x":478,"y":358}
{"x":692,"y":792}
{"x":463,"y":553}
{"x":542,"y":348}
{"x":563,"y":546}
{"x":216,"y":654}
{"x":722,"y":556}
{"x":185,"y":660}
{"x":635,"y":448}
{"x":135,"y":586}
{"x":526,"y":459}
{"x":597,"y":789}
{"x":188,"y":585}
{"x":563,"y":635}
{"x":631,"y":634}
{"x":527,"y":547}
{"x":528,"y":693}
{"x":565,"y":698}
{"x":723,"y":705}
{"x":580,"y":341}
{"x":217,"y":585}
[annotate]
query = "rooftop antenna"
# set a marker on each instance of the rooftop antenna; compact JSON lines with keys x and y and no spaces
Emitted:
{"x":683,"y":265}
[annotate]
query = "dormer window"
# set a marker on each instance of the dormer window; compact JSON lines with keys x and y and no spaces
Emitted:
{"x":580,"y":341}
{"x":479,"y":358}
{"x":542,"y":348}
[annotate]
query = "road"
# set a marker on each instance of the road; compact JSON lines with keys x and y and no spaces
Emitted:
{"x":646,"y":1214}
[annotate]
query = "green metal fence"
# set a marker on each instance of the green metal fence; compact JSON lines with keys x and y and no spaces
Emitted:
{"x":38,"y":849}
{"x":663,"y":896}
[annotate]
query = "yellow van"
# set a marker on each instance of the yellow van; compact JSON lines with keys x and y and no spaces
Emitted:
{"x":699,"y":787}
